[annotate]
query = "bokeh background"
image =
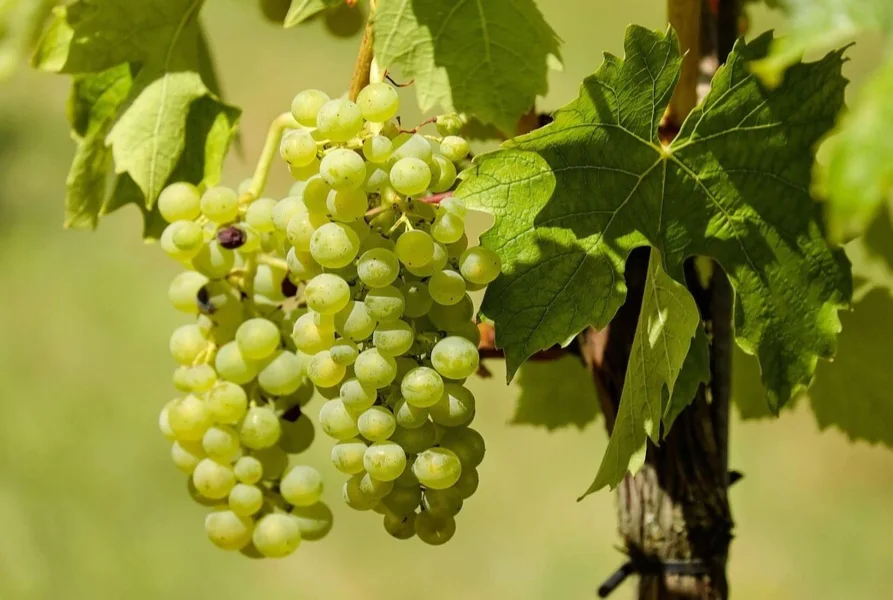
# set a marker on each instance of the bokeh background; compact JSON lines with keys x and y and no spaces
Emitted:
{"x":91,"y":508}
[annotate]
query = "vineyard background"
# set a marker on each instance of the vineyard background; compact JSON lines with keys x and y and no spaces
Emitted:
{"x":90,"y":508}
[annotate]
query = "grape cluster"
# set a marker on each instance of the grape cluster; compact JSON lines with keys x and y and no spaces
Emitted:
{"x":389,"y":332}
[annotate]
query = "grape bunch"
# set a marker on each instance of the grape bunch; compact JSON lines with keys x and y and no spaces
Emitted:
{"x":243,"y":383}
{"x":389,"y":333}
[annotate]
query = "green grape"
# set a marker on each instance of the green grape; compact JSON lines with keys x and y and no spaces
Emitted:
{"x":467,"y":444}
{"x":437,"y":468}
{"x":187,"y":343}
{"x":257,"y":338}
{"x":442,"y":503}
{"x":455,"y":357}
{"x":323,"y":371}
{"x":347,"y":455}
{"x":301,"y":265}
{"x":479,"y":265}
{"x":377,"y":424}
{"x":378,"y":267}
{"x":301,"y":486}
{"x":438,"y":262}
{"x":260,"y":428}
{"x":227,"y":402}
{"x":354,"y":322}
{"x":198,"y":498}
{"x":336,"y":422}
{"x":273,"y":462}
{"x":248,"y":470}
{"x":186,"y":455}
{"x":213,"y":480}
{"x":356,"y":397}
{"x":276,"y":535}
{"x":375,"y":370}
{"x":298,"y":147}
{"x":383,"y":221}
{"x":334,"y":245}
{"x":343,"y":170}
{"x":201,"y":378}
{"x":454,"y":148}
{"x":314,"y":522}
{"x":384,"y":461}
{"x":268,"y":282}
{"x":418,"y":300}
{"x":245,"y":500}
{"x":454,"y":206}
{"x":347,"y":206}
{"x":415,"y":248}
{"x":183,"y":291}
{"x":189,"y":418}
{"x":443,"y":175}
{"x":227,"y":530}
{"x":171,"y":248}
{"x":469,"y":331}
{"x":385,"y":304}
{"x":422,"y":387}
{"x":221,"y":443}
{"x":285,"y":210}
{"x":214,"y":260}
{"x":362,"y":229}
{"x":401,"y":528}
{"x":354,"y":497}
{"x":283,"y":375}
{"x":309,"y":338}
{"x":467,"y":484}
{"x":408,"y":479}
{"x":448,"y":318}
{"x":327,"y":294}
{"x":410,"y":176}
{"x":297,"y":436}
{"x":259,"y":215}
{"x":220,"y":204}
{"x":446,"y":287}
{"x":378,"y":102}
{"x":344,"y":351}
{"x":416,"y":440}
{"x":377,"y":179}
{"x":374,"y":488}
{"x":339,"y":120}
{"x":301,"y":227}
{"x":377,"y":149}
{"x":456,"y":249}
{"x":434,"y":531}
{"x":304,"y":173}
{"x":314,"y":195}
{"x":449,"y":124}
{"x":409,"y":416}
{"x":411,"y":145}
{"x":455,"y":408}
{"x":394,"y":338}
{"x":324,"y":322}
{"x":179,"y":202}
{"x":403,"y":500}
{"x":164,"y":423}
{"x":305,"y":107}
{"x":448,"y":228}
{"x":181,"y":379}
{"x":186,"y":236}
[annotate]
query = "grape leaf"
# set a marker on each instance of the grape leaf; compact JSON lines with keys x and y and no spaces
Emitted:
{"x":695,"y":371}
{"x":872,"y":256}
{"x":489,"y":58}
{"x":573,"y":199}
{"x":555,"y":393}
{"x":21,"y":22}
{"x":301,"y":10}
{"x":668,"y":322}
{"x":162,"y":40}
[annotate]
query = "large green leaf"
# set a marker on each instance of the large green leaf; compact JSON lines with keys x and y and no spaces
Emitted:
{"x":489,"y":59}
{"x":573,"y":199}
{"x":555,"y":393}
{"x":668,"y":321}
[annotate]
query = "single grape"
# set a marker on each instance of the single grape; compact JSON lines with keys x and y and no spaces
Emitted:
{"x":356,"y":397}
{"x":323,"y":371}
{"x":339,"y":120}
{"x":409,"y":416}
{"x":336,"y":422}
{"x":301,"y":265}
{"x":260,"y":428}
{"x":469,"y":331}
{"x":212,"y":479}
{"x":164,"y":423}
{"x":377,"y":149}
{"x":377,"y":424}
{"x":403,"y":500}
{"x":454,"y":148}
{"x":227,"y":402}
{"x":455,"y":206}
{"x":443,"y":175}
{"x":446,"y":287}
{"x":393,"y":338}
{"x":354,"y":322}
{"x":183,"y":291}
{"x":467,"y":484}
{"x":310,"y":338}
{"x":434,"y":531}
{"x":378,"y":102}
{"x":283,"y":375}
{"x":422,"y":387}
{"x":411,"y":145}
{"x":276,"y":535}
{"x":374,"y":488}
{"x":245,"y":500}
{"x":385,"y":304}
{"x":304,"y":173}
{"x":187,"y":343}
{"x":257,"y":338}
{"x":201,"y":378}
{"x":268,"y":282}
{"x":416,"y":440}
{"x":437,"y":468}
{"x":455,"y":357}
{"x":273,"y":462}
{"x":408,"y":479}
{"x":301,"y":486}
{"x":259,"y":215}
{"x":285,"y":210}
{"x":314,"y":195}
{"x":418,"y":300}
{"x":314,"y":521}
{"x":298,"y":147}
{"x":220,"y":204}
{"x":327,"y":294}
{"x":248,"y":470}
{"x":448,"y":318}
{"x":479,"y":265}
{"x":456,"y":406}
{"x":401,"y":528}
{"x":305,"y":107}
{"x":189,"y":418}
{"x":378,"y":267}
{"x":347,"y":455}
{"x":438,"y":263}
{"x":456,"y":249}
{"x":187,"y":455}
{"x":221,"y":443}
{"x":375,"y":370}
{"x":347,"y":206}
{"x":214,"y":260}
{"x":227,"y":530}
{"x":415,"y":248}
{"x":377,"y":179}
{"x":442,"y":503}
{"x":449,"y":124}
{"x":384,"y":461}
{"x":410,"y":176}
{"x":182,"y":240}
{"x":301,"y":227}
{"x":179,"y":201}
{"x":448,"y":228}
{"x":297,"y":436}
{"x":354,"y":497}
{"x":467,"y":444}
{"x":344,"y":351}
{"x":334,"y":245}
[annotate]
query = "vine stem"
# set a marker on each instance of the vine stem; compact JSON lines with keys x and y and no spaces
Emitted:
{"x":268,"y":155}
{"x":363,"y":67}
{"x":436,"y":198}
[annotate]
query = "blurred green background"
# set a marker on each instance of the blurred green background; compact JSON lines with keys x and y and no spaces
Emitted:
{"x":91,"y":508}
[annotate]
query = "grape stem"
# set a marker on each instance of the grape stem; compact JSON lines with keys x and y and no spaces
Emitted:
{"x":436,"y":198}
{"x":269,"y":153}
{"x":420,"y":125}
{"x":277,"y":263}
{"x":363,"y":66}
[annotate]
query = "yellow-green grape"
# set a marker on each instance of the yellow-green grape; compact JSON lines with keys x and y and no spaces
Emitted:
{"x":181,"y":379}
{"x":467,"y":444}
{"x":268,"y":284}
{"x":344,"y":351}
{"x":448,"y":228}
{"x":355,"y":396}
{"x":259,"y":215}
{"x":301,"y":265}
{"x":403,"y":500}
{"x":164,"y":421}
{"x":305,"y":106}
{"x":343,"y":169}
{"x":434,"y":531}
{"x":220,"y":204}
{"x":297,"y":436}
{"x":456,"y":406}
{"x":410,"y":176}
{"x":171,"y":248}
{"x":183,"y":290}
{"x":276,"y":535}
{"x":374,"y":369}
{"x":248,"y":469}
{"x":189,"y":418}
{"x":385,"y":304}
{"x":314,"y":521}
{"x":437,"y":468}
{"x":442,"y":503}
{"x":327,"y":294}
{"x":416,"y":440}
{"x":479,"y":265}
{"x":456,"y":249}
{"x":361,"y":228}
{"x":227,"y":530}
{"x":179,"y":201}
{"x":374,"y":488}
{"x":401,"y":528}
{"x":356,"y":498}
{"x":446,"y":287}
{"x":221,"y":443}
{"x":285,"y":210}
{"x":394,"y":338}
{"x":273,"y":460}
{"x":187,"y":343}
{"x":443,"y":175}
{"x":304,"y":173}
{"x":454,"y":148}
{"x":347,"y":455}
{"x":187,"y":236}
{"x":378,"y":267}
{"x":377,"y":424}
{"x":200,"y":378}
{"x":227,"y":402}
{"x":448,"y":124}
{"x":422,"y":387}
{"x":455,"y":206}
{"x":455,"y":357}
{"x":377,"y":179}
{"x":315,"y":194}
{"x":334,"y":245}
{"x":415,"y":248}
{"x":260,"y":428}
{"x":213,"y":480}
{"x":214,"y":260}
{"x":354,"y":322}
{"x":378,"y":102}
{"x":347,"y":206}
{"x":453,"y":316}
{"x":301,"y":486}
{"x":257,"y":338}
{"x":377,"y":149}
{"x":409,"y":416}
{"x":283,"y":375}
{"x":467,"y":484}
{"x":411,"y":145}
{"x":245,"y":500}
{"x":438,"y":262}
{"x":384,"y":461}
{"x":417,"y":299}
{"x":468,"y":330}
{"x":339,"y":120}
{"x":298,"y":147}
{"x":323,"y":371}
{"x":302,"y":226}
{"x":309,"y":338}
{"x":336,"y":422}
{"x":186,"y":455}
